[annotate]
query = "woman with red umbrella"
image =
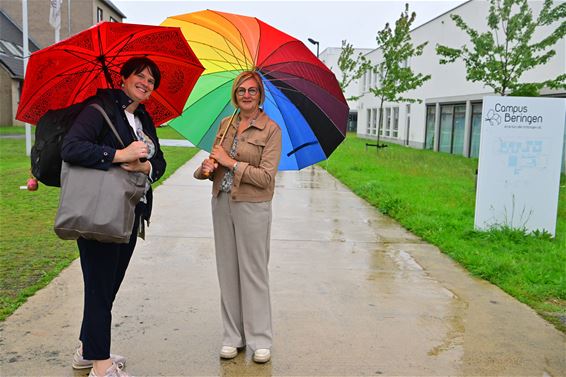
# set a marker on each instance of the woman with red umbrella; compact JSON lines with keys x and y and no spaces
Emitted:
{"x":242,"y":165}
{"x":88,"y":143}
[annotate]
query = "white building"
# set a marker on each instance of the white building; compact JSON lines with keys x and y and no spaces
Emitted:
{"x":329,"y":56}
{"x":449,"y":117}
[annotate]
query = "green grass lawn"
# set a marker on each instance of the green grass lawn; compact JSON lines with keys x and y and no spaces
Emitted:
{"x":166,"y":132}
{"x":31,"y":255}
{"x":433,"y":195}
{"x":15,"y":130}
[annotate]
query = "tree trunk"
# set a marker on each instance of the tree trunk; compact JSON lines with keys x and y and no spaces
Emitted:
{"x":379,"y":122}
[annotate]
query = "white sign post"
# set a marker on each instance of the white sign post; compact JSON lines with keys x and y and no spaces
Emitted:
{"x":519,"y":163}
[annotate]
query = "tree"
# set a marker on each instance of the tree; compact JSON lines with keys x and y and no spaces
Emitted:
{"x":394,"y":72}
{"x":351,"y":68}
{"x":499,"y":57}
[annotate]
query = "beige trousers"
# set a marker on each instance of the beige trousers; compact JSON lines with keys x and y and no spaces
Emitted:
{"x":242,"y":232}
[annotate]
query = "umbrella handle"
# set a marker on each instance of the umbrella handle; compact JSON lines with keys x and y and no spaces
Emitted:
{"x":222,"y":138}
{"x":207,"y":174}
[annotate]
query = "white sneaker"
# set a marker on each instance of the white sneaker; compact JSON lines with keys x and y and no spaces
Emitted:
{"x":262,"y":355}
{"x":113,"y":371}
{"x":228,"y":352}
{"x":80,"y":363}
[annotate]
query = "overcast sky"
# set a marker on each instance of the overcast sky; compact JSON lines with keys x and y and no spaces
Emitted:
{"x":329,"y":22}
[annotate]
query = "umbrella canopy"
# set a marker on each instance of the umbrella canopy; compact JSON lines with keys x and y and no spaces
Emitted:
{"x":302,"y":94}
{"x":72,"y":70}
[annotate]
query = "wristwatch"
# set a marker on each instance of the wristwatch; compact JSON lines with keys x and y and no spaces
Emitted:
{"x":235,"y":167}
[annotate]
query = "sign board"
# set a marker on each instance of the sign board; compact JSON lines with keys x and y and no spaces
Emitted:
{"x":520,"y":159}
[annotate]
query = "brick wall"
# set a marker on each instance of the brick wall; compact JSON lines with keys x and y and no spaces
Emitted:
{"x":6,"y":99}
{"x":83,"y":16}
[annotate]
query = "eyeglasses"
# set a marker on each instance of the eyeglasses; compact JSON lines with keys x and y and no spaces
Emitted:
{"x":242,"y":91}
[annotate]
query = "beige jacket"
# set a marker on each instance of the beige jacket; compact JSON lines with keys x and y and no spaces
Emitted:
{"x":258,"y":154}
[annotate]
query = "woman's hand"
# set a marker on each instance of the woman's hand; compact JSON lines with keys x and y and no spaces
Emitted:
{"x":132,"y":153}
{"x":220,"y":155}
{"x":208,"y":166}
{"x":136,"y":165}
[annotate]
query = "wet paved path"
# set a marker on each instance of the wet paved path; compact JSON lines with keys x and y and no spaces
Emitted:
{"x":353,"y":295}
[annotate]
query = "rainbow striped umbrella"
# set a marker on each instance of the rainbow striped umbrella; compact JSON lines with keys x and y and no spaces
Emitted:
{"x":302,"y":94}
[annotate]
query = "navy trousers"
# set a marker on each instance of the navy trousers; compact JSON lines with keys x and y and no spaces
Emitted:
{"x":104,"y":267}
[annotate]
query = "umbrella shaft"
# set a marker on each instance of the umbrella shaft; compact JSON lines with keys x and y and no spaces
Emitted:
{"x":223,"y":135}
{"x":229,"y":123}
{"x":106,"y":71}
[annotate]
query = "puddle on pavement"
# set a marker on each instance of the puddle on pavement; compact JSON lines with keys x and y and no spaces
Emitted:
{"x":242,"y":365}
{"x":439,"y":311}
{"x":311,"y":178}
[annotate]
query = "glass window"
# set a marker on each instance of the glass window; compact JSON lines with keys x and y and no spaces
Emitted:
{"x":377,"y":114}
{"x":352,"y":122}
{"x":368,"y":122}
{"x":407,"y":123}
{"x":395,"y":132}
{"x":373,"y":121}
{"x":381,"y":120}
{"x":446,"y":116}
{"x":99,"y":15}
{"x":459,"y":126}
{"x":387,"y":121}
{"x":430,"y":126}
{"x":476,"y":129}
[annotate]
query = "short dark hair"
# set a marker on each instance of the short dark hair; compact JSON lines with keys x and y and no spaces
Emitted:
{"x":138,"y":64}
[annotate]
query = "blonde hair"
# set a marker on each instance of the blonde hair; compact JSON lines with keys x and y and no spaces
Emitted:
{"x":243,"y":77}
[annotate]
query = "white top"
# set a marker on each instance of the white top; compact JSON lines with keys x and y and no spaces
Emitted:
{"x":135,"y":123}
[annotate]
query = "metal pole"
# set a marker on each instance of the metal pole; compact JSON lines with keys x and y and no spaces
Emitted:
{"x":26,"y":55}
{"x":69,"y":16}
{"x":317,"y":43}
{"x":59,"y":4}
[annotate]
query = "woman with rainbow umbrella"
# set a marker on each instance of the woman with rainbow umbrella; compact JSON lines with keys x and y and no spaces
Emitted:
{"x":242,"y":165}
{"x":302,"y":120}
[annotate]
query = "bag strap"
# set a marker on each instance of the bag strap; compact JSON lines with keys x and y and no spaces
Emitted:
{"x":108,"y":121}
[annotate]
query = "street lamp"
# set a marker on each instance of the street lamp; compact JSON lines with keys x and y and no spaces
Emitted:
{"x":314,"y":43}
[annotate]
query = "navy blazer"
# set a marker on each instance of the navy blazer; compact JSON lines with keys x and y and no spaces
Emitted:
{"x":91,"y":143}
